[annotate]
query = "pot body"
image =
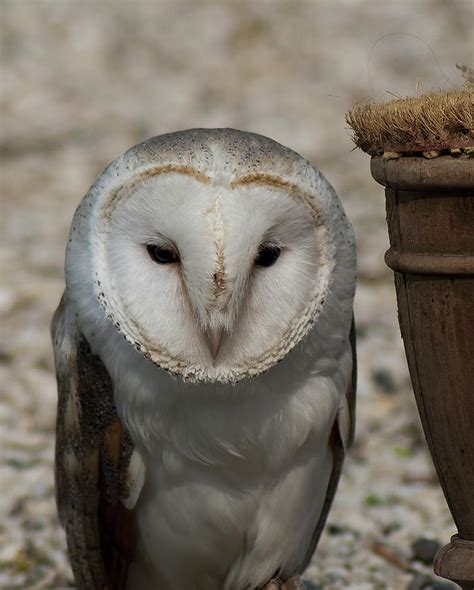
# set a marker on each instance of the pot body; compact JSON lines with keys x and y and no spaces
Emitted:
{"x":430,"y":217}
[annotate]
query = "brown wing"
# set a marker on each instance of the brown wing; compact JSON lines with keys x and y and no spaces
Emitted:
{"x":93,"y":453}
{"x":339,"y":442}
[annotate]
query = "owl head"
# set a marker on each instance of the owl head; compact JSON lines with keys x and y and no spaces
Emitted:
{"x":213,"y":252}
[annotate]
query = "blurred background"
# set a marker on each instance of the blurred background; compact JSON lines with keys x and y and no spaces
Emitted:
{"x":83,"y":81}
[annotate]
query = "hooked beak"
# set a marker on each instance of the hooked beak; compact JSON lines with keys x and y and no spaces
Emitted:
{"x":214,"y":337}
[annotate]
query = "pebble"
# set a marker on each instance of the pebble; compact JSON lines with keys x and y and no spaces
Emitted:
{"x":384,"y":380}
{"x":423,"y":582}
{"x":425,"y":550}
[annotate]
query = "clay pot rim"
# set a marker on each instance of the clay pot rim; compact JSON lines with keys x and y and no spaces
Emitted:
{"x":444,"y":173}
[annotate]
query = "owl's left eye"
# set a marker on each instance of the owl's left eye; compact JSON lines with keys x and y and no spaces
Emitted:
{"x":267,"y":255}
{"x":162,"y":255}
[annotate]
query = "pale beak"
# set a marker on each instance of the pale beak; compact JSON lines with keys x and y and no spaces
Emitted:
{"x":214,"y":337}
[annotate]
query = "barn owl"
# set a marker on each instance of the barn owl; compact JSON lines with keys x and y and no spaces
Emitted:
{"x":205,"y":359}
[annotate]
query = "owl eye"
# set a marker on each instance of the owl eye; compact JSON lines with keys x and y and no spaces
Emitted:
{"x":267,"y":255}
{"x":162,"y":255}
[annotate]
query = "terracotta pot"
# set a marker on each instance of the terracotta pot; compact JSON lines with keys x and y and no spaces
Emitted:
{"x":430,"y":217}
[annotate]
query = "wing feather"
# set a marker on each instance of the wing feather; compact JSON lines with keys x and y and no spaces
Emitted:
{"x":341,"y":438}
{"x":93,"y":455}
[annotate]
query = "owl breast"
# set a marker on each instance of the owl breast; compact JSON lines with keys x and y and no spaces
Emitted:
{"x":248,"y":510}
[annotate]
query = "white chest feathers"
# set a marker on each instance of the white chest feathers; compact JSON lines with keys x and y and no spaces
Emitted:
{"x":236,"y":490}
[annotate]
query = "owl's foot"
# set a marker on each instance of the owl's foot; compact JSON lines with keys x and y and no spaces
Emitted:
{"x":293,"y":583}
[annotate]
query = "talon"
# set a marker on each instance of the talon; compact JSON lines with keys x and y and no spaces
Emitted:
{"x":274,"y":584}
{"x":294,"y":583}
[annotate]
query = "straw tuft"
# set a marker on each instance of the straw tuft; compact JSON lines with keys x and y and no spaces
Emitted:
{"x":430,"y":124}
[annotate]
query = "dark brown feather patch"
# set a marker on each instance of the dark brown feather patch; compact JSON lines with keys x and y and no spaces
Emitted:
{"x":92,"y":455}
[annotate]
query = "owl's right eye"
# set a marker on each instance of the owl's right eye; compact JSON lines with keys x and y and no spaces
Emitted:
{"x":162,"y":255}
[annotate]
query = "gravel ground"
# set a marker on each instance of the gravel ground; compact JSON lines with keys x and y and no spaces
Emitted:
{"x":83,"y":81}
